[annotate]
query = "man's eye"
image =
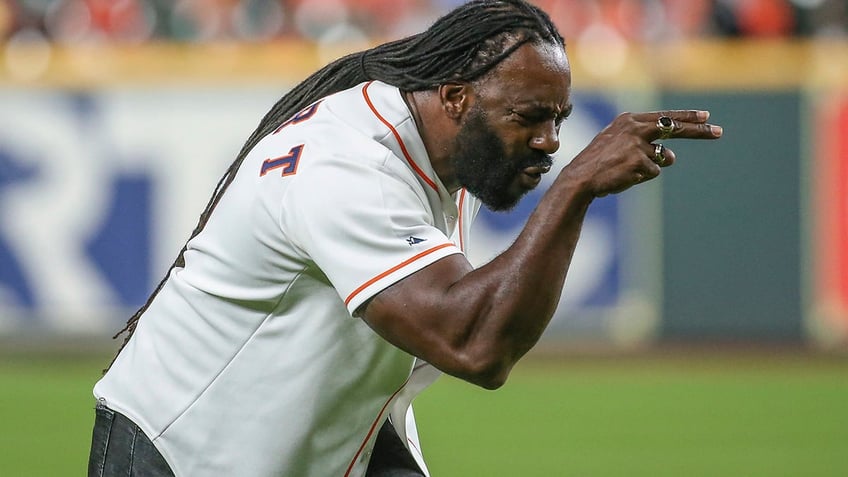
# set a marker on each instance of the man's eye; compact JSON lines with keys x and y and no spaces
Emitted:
{"x":529,"y":119}
{"x":526,"y":118}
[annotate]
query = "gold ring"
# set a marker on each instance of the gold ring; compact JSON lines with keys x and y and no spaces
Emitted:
{"x":666,"y":126}
{"x":659,"y":154}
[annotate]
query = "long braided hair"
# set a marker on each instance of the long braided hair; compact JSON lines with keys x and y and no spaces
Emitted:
{"x":463,"y":45}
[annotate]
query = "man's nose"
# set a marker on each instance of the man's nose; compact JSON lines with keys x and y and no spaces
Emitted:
{"x":546,"y":138}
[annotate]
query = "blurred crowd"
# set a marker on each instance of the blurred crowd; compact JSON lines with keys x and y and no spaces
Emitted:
{"x":136,"y":21}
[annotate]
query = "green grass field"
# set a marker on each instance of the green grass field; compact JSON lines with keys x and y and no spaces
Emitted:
{"x":672,"y":414}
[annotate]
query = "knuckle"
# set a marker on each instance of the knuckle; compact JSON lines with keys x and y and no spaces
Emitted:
{"x":625,"y":119}
{"x":704,"y":130}
{"x":686,"y":115}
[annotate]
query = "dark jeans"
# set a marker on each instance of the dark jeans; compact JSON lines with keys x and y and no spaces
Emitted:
{"x":120,"y":448}
{"x":391,"y":458}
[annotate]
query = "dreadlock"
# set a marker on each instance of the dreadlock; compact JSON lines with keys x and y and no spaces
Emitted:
{"x":462,"y":46}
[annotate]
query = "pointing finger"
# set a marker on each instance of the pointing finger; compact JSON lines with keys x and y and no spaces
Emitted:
{"x":689,"y":131}
{"x":683,"y":115}
{"x":679,"y":124}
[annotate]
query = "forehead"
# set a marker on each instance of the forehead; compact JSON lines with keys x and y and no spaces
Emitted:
{"x":534,"y":74}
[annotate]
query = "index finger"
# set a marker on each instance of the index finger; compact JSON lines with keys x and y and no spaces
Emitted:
{"x":687,"y":124}
{"x":682,"y":115}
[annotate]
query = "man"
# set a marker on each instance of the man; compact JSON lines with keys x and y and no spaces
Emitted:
{"x":326,"y":284}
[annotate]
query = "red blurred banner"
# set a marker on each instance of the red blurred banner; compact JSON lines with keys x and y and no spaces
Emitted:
{"x":830,"y":169}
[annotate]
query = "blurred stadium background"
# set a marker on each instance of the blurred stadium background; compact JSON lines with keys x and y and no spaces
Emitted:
{"x":703,"y":328}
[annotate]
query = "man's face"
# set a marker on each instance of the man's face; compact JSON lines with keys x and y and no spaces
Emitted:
{"x":505,"y":141}
{"x":484,"y":167}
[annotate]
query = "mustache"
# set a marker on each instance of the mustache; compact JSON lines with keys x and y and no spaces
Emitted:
{"x":536,"y":159}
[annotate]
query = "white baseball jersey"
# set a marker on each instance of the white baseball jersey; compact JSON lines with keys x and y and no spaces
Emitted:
{"x":249,"y":362}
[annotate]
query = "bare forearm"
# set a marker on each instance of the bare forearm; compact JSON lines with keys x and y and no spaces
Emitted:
{"x":509,"y":302}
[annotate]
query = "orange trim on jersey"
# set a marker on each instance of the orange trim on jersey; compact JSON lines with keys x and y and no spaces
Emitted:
{"x":397,"y":137}
{"x":459,"y":218}
{"x":373,"y":426}
{"x":394,"y":269}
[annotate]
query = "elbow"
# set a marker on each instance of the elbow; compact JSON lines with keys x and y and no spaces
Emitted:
{"x":490,"y":372}
{"x":492,"y":382}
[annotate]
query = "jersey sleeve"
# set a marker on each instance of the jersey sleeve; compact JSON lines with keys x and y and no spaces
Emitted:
{"x":364,"y":225}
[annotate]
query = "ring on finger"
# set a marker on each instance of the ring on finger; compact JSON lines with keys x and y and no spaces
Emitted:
{"x":659,"y":154}
{"x":666,"y":126}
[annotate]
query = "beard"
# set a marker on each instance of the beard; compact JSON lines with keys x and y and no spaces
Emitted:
{"x":483,"y":167}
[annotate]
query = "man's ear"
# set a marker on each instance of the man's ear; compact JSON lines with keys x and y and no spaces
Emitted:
{"x":455,"y":98}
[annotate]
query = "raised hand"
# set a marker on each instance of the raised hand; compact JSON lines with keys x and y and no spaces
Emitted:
{"x":627,"y":151}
